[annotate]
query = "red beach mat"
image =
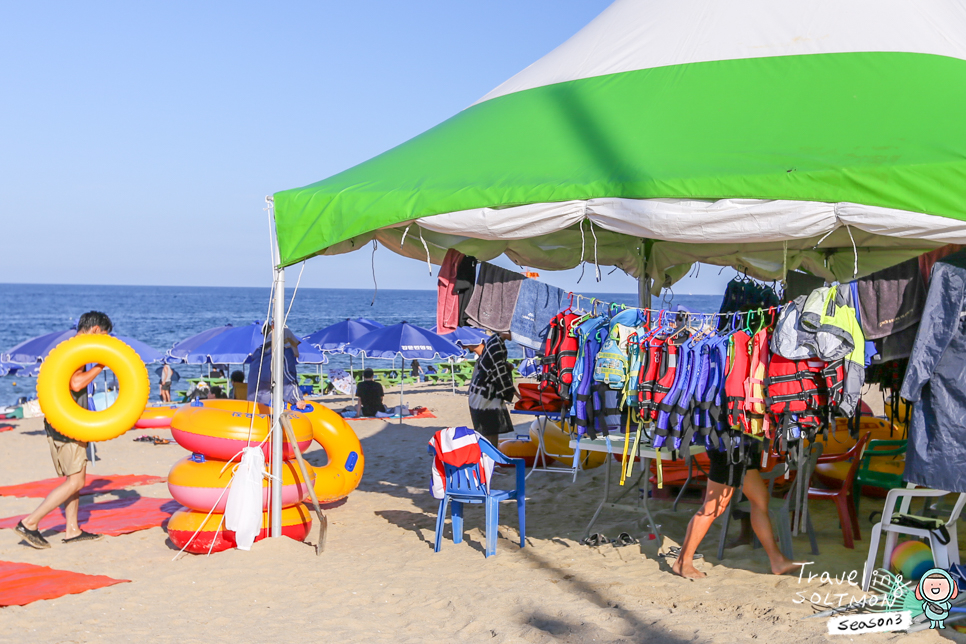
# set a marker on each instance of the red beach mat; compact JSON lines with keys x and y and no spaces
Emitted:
{"x":5,"y":428}
{"x":22,"y":583}
{"x":107,"y":483}
{"x":112,"y":518}
{"x":424,"y":414}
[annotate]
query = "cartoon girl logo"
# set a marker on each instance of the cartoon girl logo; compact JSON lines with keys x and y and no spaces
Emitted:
{"x":936,"y":590}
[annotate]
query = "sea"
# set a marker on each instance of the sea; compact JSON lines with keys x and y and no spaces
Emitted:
{"x":160,"y":316}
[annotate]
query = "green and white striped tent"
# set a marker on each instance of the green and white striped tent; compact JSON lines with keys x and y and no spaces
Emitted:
{"x":722,"y":132}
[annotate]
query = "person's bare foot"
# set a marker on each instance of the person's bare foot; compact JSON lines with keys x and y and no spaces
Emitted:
{"x":688,"y":571}
{"x":783,"y":566}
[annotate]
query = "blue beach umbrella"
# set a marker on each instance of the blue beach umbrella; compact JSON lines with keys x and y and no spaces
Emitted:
{"x":36,"y":349}
{"x":408,"y":341}
{"x":181,"y":350}
{"x":465,"y":335}
{"x":311,"y":355}
{"x":333,"y":338}
{"x":229,"y":344}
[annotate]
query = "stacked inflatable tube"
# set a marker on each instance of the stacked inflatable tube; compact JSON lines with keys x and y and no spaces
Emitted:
{"x":212,"y":537}
{"x":221,"y":433}
{"x":200,"y":485}
{"x":216,"y":432}
{"x":341,"y":475}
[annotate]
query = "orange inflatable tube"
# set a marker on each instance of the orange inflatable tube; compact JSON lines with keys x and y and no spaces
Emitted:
{"x":202,"y":485}
{"x":221,"y":433}
{"x":341,"y":475}
{"x":154,"y":417}
{"x":212,"y":536}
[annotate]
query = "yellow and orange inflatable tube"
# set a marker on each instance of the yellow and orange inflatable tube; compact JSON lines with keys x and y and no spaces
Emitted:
{"x":341,"y":475}
{"x":219,"y":432}
{"x":156,"y":417}
{"x":557,"y":441}
{"x":212,"y":536}
{"x":202,"y":485}
{"x":65,"y":415}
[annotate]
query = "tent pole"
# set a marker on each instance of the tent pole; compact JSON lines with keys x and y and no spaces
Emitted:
{"x":644,"y":292}
{"x":402,"y":363}
{"x":278,"y":387}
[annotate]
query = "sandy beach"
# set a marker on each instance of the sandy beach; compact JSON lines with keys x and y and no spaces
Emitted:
{"x":380,"y":581}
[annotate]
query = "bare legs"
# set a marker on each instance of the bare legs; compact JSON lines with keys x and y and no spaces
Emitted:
{"x":67,"y":493}
{"x":757,"y":494}
{"x":716,"y":501}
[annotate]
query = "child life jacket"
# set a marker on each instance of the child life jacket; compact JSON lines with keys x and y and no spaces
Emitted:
{"x":738,"y":369}
{"x":795,"y":392}
{"x":634,"y":358}
{"x":559,"y":354}
{"x":756,"y":417}
{"x":611,"y":364}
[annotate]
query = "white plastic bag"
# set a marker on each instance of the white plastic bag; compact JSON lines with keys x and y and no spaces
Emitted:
{"x":243,"y":511}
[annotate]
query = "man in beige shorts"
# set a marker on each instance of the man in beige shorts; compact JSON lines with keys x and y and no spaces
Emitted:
{"x":69,"y":455}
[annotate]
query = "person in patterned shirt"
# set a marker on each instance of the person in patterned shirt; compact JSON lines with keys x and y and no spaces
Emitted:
{"x":491,"y":388}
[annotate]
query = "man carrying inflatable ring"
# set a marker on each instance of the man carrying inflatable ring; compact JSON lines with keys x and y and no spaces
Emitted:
{"x":69,"y":455}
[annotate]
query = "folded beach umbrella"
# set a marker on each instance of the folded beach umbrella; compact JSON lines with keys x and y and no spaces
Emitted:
{"x":408,"y":341}
{"x":230,"y":344}
{"x":36,"y":349}
{"x":752,"y":133}
{"x":334,"y":337}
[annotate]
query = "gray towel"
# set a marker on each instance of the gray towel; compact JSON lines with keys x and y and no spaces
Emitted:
{"x":494,"y":298}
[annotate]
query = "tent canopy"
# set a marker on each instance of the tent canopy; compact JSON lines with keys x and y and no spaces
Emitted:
{"x":758,"y":134}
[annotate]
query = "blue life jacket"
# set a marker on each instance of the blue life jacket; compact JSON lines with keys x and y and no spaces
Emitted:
{"x":681,"y":377}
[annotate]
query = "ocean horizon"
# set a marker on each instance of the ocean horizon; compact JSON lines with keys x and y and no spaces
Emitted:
{"x":160,"y":316}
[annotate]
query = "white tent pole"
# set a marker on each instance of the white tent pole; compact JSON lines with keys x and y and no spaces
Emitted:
{"x":278,"y":386}
{"x":452,"y":372}
{"x":402,"y":363}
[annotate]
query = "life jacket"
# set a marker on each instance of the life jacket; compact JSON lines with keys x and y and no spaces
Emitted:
{"x":666,"y":373}
{"x":632,"y":383}
{"x":559,"y":354}
{"x":586,"y":404}
{"x":652,"y":350}
{"x":756,"y":420}
{"x":610,"y":366}
{"x":665,"y":428}
{"x":713,"y":414}
{"x":834,"y":376}
{"x":796,"y":393}
{"x":738,"y":369}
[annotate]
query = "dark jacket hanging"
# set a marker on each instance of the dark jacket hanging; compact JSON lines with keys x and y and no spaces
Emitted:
{"x":936,"y":383}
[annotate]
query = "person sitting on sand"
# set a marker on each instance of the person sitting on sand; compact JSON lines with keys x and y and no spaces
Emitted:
{"x":199,"y":391}
{"x":216,"y":393}
{"x":69,"y":455}
{"x":369,"y":395}
{"x":239,"y":390}
{"x":723,"y":478}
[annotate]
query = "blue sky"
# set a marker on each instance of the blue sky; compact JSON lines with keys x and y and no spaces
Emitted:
{"x":139,"y":139}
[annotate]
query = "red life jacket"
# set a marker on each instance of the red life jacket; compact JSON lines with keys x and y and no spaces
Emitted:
{"x":665,"y":377}
{"x":834,"y":374}
{"x":653,"y":349}
{"x":797,"y":387}
{"x":738,"y":368}
{"x":559,"y":355}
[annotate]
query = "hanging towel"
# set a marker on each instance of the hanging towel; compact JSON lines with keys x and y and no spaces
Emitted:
{"x":465,"y":283}
{"x":494,"y":298}
{"x":447,"y":299}
{"x":536,"y":305}
{"x":457,"y":446}
{"x":891,"y":300}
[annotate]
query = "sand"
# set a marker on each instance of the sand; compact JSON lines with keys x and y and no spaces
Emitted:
{"x":380,"y":581}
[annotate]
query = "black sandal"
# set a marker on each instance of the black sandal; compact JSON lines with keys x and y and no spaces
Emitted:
{"x":33,"y":537}
{"x":674,"y":551}
{"x":624,"y":539}
{"x":596,"y":539}
{"x":84,"y":536}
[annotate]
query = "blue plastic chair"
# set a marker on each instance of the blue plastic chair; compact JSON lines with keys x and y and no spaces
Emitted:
{"x":463,"y":486}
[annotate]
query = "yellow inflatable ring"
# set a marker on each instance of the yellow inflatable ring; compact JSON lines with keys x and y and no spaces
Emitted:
{"x":557,"y":441}
{"x":53,"y":387}
{"x":341,"y":475}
